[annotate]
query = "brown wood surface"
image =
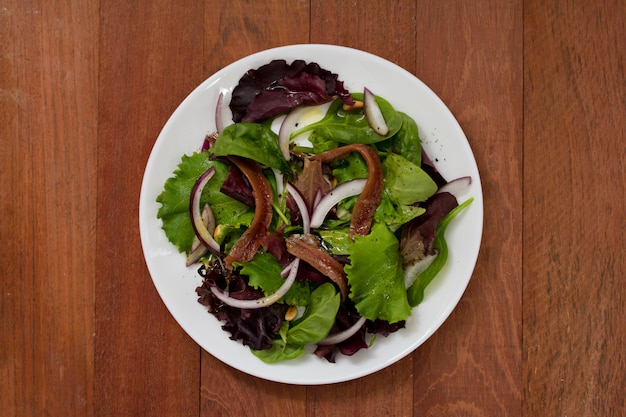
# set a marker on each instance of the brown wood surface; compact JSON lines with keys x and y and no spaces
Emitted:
{"x":539,"y":87}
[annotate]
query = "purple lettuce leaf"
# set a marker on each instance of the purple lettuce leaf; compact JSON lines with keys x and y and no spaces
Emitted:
{"x":417,"y":236}
{"x":255,"y":328}
{"x":277,"y":87}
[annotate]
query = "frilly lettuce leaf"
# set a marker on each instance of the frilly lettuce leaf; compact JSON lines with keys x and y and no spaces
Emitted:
{"x":174,"y":210}
{"x":376,"y":277}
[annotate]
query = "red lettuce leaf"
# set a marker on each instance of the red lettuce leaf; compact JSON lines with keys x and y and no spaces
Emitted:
{"x":254,"y":328}
{"x":277,"y":87}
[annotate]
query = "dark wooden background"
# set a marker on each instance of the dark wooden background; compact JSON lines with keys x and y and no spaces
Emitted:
{"x":539,"y":88}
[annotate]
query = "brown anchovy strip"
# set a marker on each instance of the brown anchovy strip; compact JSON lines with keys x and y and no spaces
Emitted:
{"x":306,"y":247}
{"x":368,"y":201}
{"x":246,"y":247}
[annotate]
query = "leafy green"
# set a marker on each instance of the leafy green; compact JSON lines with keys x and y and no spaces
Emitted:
{"x":405,"y":182}
{"x":416,"y":291}
{"x":351,"y":126}
{"x":254,"y":141}
{"x":336,"y":240}
{"x":321,"y":144}
{"x":395,"y":215}
{"x":263,"y":271}
{"x":312,"y":327}
{"x":376,"y":277}
{"x":318,"y":317}
{"x":175,"y":198}
{"x":406,"y":142}
{"x":350,"y":167}
{"x":280,"y":351}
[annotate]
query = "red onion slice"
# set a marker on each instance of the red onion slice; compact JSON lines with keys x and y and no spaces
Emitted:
{"x":263,"y":301}
{"x":457,"y":186}
{"x":196,"y":218}
{"x":317,"y":198}
{"x":222,"y":113}
{"x":342,"y":191}
{"x":304,"y":211}
{"x":373,"y":114}
{"x":288,"y":126}
{"x":208,"y":218}
{"x":198,"y":250}
{"x":344,"y":335}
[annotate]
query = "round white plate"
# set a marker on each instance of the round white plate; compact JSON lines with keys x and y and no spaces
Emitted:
{"x":442,"y":138}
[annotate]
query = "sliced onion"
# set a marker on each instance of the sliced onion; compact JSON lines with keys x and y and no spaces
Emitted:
{"x":317,"y":199}
{"x":222,"y":113}
{"x":198,"y":250}
{"x":373,"y":114}
{"x":342,"y":191}
{"x":280,"y":181}
{"x":263,"y":301}
{"x":457,"y":186}
{"x":304,"y":211}
{"x":199,"y":227}
{"x":289,"y":125}
{"x":411,"y":272}
{"x":344,"y":335}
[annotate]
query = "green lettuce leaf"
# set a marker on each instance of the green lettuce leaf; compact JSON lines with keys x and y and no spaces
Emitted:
{"x":376,"y":277}
{"x":350,"y":167}
{"x":395,"y":215}
{"x":251,"y":140}
{"x":174,"y":199}
{"x":335,"y":240}
{"x":351,"y":126}
{"x":312,"y":327}
{"x":280,"y":351}
{"x":318,"y":318}
{"x":263,"y":271}
{"x":405,"y":182}
{"x":406,"y":142}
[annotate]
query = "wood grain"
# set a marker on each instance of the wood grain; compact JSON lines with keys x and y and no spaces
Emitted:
{"x":470,"y":55}
{"x":48,"y":124}
{"x":150,"y":59}
{"x":574,"y":176}
{"x":538,"y":87}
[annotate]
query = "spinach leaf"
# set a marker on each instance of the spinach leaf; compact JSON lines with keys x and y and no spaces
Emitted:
{"x":350,"y":126}
{"x":376,"y":277}
{"x":416,"y":291}
{"x":405,"y":182}
{"x":263,"y":271}
{"x":318,"y":317}
{"x":406,"y":142}
{"x":351,"y":167}
{"x":279,"y":351}
{"x":251,"y":140}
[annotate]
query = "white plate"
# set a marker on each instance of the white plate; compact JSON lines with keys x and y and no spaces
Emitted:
{"x":442,"y":138}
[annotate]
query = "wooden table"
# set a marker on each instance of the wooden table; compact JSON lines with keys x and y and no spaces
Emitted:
{"x":539,"y":88}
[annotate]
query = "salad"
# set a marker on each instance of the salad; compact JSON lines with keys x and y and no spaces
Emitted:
{"x":313,"y":216}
